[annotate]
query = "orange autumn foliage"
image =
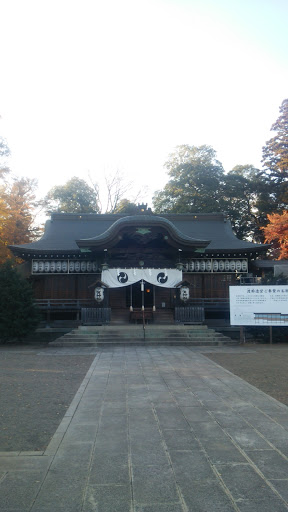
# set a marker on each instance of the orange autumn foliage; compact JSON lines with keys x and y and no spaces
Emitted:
{"x":17,"y":201}
{"x":276,"y":232}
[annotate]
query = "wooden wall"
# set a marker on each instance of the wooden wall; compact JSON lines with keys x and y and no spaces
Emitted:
{"x":64,"y":286}
{"x":81,"y":287}
{"x":210,"y":286}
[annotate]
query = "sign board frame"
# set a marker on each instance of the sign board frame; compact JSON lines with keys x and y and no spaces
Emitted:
{"x":259,"y":305}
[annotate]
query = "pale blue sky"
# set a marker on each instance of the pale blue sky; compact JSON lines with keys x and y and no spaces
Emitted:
{"x":94,"y":86}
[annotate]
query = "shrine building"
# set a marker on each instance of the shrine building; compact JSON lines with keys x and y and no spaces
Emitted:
{"x":144,"y":267}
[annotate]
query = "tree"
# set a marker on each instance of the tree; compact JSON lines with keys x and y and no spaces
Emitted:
{"x":195,"y":184}
{"x":4,"y":153}
{"x":17,"y":203}
{"x":4,"y":149}
{"x":126,"y":206}
{"x":275,"y":160}
{"x":247,"y":203}
{"x":270,"y":279}
{"x":18,"y":315}
{"x":115,"y":189}
{"x":76,"y":196}
{"x":276,"y":232}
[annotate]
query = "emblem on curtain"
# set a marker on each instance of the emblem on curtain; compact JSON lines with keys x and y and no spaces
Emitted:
{"x":122,"y":277}
{"x":162,"y":278}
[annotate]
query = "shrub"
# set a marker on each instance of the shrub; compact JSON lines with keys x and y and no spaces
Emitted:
{"x":18,"y":314}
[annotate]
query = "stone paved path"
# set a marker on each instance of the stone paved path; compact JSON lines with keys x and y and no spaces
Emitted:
{"x":157,"y":430}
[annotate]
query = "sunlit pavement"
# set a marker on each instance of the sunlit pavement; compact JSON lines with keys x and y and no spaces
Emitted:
{"x":156,"y":430}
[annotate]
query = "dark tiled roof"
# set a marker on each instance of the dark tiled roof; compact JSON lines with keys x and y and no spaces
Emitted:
{"x":270,"y":263}
{"x":62,"y":231}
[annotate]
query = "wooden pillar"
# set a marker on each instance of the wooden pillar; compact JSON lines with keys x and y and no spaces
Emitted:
{"x":270,"y":332}
{"x":131,"y":298}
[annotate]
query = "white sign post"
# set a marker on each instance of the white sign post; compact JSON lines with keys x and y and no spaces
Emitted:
{"x":259,"y":305}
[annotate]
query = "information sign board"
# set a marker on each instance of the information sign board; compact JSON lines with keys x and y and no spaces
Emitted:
{"x":259,"y":305}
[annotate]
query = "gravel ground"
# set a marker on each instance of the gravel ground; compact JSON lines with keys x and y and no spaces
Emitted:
{"x":35,"y":391}
{"x":264,"y":366}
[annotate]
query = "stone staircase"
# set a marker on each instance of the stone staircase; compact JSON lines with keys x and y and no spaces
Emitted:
{"x":108,"y":335}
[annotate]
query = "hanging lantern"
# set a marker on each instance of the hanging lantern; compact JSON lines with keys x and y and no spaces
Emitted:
{"x":202,"y":266}
{"x":238,"y":266}
{"x":99,"y":294}
{"x":244,"y":266}
{"x":184,"y":293}
{"x":191,"y":266}
{"x":41,"y":266}
{"x":227,"y":265}
{"x":221,"y":266}
{"x":208,"y":265}
{"x":35,"y":266}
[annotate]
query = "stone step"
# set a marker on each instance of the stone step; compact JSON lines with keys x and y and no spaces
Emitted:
{"x":134,"y":335}
{"x":150,"y":338}
{"x":140,"y":334}
{"x":139,"y":327}
{"x":183,"y":342}
{"x":104,"y":337}
{"x":62,"y":341}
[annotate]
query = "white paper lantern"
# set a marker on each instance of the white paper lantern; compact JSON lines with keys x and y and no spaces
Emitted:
{"x":99,"y":294}
{"x":52,"y":266}
{"x":215,"y":265}
{"x":232,"y":265}
{"x":35,"y":266}
{"x":221,"y":266}
{"x":41,"y":266}
{"x":208,"y":265}
{"x":71,"y":266}
{"x":46,"y":266}
{"x":94,"y":266}
{"x":58,"y":266}
{"x":64,"y":266}
{"x":89,"y":266}
{"x":227,"y":265}
{"x":244,"y":266}
{"x":77,"y":266}
{"x":191,"y":266}
{"x":238,"y":266}
{"x":197,"y":266}
{"x":202,"y":266}
{"x":83,"y":266}
{"x":184,"y":293}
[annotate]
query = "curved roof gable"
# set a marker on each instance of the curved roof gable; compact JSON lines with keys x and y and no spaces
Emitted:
{"x":110,"y":236}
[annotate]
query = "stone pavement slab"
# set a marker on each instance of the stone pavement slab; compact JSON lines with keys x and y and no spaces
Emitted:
{"x":156,"y":430}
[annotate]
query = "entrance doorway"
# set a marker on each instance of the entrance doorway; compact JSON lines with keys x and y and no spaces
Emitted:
{"x":135,"y":297}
